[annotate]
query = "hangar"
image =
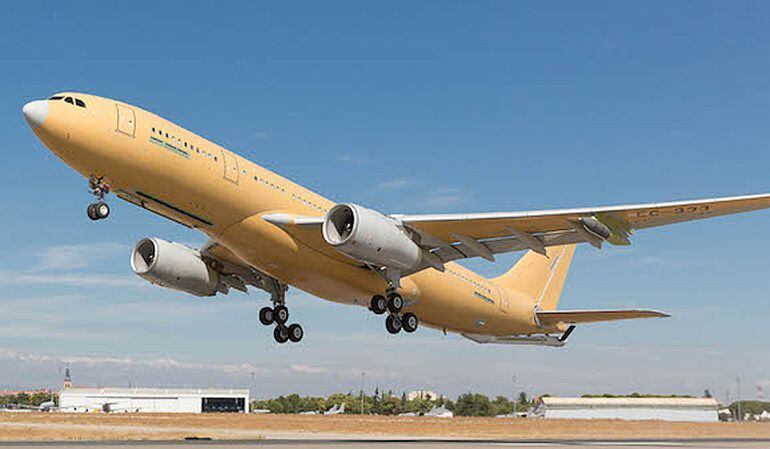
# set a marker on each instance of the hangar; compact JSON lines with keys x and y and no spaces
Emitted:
{"x":664,"y":409}
{"x":154,"y":400}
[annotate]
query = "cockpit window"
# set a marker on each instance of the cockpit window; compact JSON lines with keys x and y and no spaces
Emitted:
{"x":80,"y":102}
{"x":68,"y":100}
{"x":56,"y":97}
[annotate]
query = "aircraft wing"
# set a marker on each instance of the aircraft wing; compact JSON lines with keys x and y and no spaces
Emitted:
{"x":234,"y":272}
{"x":456,"y":236}
{"x":554,"y":317}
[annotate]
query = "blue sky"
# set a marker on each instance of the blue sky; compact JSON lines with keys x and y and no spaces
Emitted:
{"x":404,"y":107}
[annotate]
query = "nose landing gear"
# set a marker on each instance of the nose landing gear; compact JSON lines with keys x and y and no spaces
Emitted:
{"x":99,"y":210}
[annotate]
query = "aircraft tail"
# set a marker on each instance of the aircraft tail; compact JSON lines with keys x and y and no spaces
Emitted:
{"x":539,"y":277}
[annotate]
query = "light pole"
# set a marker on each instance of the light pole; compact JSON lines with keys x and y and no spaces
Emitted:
{"x":738,"y":386}
{"x":513,"y":391}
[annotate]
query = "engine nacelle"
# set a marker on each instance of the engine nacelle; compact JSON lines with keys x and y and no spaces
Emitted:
{"x":174,"y":266}
{"x":596,"y":227}
{"x":371,"y":237}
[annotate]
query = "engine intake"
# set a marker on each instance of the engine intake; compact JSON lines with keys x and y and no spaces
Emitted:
{"x":174,"y":266}
{"x":372,"y":237}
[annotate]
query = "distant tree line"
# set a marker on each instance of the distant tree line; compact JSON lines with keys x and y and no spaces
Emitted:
{"x":749,"y":408}
{"x":388,"y":403}
{"x":637,"y":395}
{"x":26,"y":399}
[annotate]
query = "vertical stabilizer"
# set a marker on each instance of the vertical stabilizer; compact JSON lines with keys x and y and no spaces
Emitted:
{"x":540,"y":278}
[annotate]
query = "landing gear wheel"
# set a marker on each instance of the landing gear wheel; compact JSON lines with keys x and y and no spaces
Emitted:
{"x":379,"y":304}
{"x":266,"y":316}
{"x":281,"y":334}
{"x":281,"y":314}
{"x":393,"y":324}
{"x":409,"y":322}
{"x":91,"y":211}
{"x":395,"y":303}
{"x":296,"y":333}
{"x":102,"y":210}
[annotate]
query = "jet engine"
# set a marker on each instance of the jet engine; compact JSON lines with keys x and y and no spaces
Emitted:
{"x":372,"y":237}
{"x":174,"y":266}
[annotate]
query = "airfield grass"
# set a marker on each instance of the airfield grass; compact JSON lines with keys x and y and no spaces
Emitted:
{"x":115,"y":426}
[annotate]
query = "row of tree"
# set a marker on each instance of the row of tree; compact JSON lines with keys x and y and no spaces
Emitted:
{"x":25,"y":398}
{"x":387,"y":403}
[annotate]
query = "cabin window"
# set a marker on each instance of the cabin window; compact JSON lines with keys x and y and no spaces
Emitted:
{"x":80,"y":102}
{"x":56,"y":97}
{"x":153,"y":129}
{"x":69,"y":100}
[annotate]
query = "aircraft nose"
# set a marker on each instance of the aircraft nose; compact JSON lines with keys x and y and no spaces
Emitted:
{"x":35,"y":112}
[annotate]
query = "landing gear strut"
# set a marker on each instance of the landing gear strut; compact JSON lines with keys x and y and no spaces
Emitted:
{"x":99,"y":210}
{"x":279,"y":315}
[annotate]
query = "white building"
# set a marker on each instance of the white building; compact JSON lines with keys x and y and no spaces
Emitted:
{"x":664,"y":409}
{"x":421,"y":394}
{"x":153,"y":400}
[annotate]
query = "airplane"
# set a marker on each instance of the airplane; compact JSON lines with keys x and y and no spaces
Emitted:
{"x":336,"y":410}
{"x":46,"y":406}
{"x":269,"y":233}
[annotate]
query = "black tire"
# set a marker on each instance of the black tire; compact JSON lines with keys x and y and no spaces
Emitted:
{"x":378,"y":304}
{"x":266,"y":316}
{"x":281,"y":334}
{"x":409,"y":322}
{"x":296,"y":333}
{"x":395,"y":303}
{"x":281,"y":314}
{"x":393,"y":324}
{"x":102,"y":210}
{"x":91,"y":211}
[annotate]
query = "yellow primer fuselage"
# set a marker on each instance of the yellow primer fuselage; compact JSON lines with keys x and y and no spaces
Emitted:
{"x":165,"y":168}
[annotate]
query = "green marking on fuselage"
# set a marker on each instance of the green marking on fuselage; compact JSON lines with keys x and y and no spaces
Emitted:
{"x":170,"y":147}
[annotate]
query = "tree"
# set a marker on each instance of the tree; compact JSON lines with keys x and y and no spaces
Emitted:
{"x":473,"y":404}
{"x":376,"y":409}
{"x":523,"y":399}
{"x":502,"y":406}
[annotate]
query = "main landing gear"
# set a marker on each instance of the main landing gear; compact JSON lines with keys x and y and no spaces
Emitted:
{"x":99,"y":210}
{"x":392,"y":304}
{"x":279,"y":315}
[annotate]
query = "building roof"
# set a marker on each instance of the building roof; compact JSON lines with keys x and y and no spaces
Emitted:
{"x":114,"y":391}
{"x":630,"y":402}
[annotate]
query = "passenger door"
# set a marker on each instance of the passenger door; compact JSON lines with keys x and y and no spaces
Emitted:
{"x":231,"y":166}
{"x":126,"y":120}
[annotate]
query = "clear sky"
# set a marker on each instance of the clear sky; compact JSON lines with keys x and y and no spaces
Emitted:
{"x":404,"y":107}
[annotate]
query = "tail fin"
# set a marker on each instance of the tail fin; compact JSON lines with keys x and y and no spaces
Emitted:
{"x":541,"y":278}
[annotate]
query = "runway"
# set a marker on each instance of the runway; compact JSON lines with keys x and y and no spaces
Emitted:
{"x":403,"y":444}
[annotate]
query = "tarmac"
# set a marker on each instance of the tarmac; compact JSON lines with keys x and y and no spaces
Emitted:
{"x":401,"y":444}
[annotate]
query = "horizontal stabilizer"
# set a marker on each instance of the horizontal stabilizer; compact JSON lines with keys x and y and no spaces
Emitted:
{"x":553,"y":317}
